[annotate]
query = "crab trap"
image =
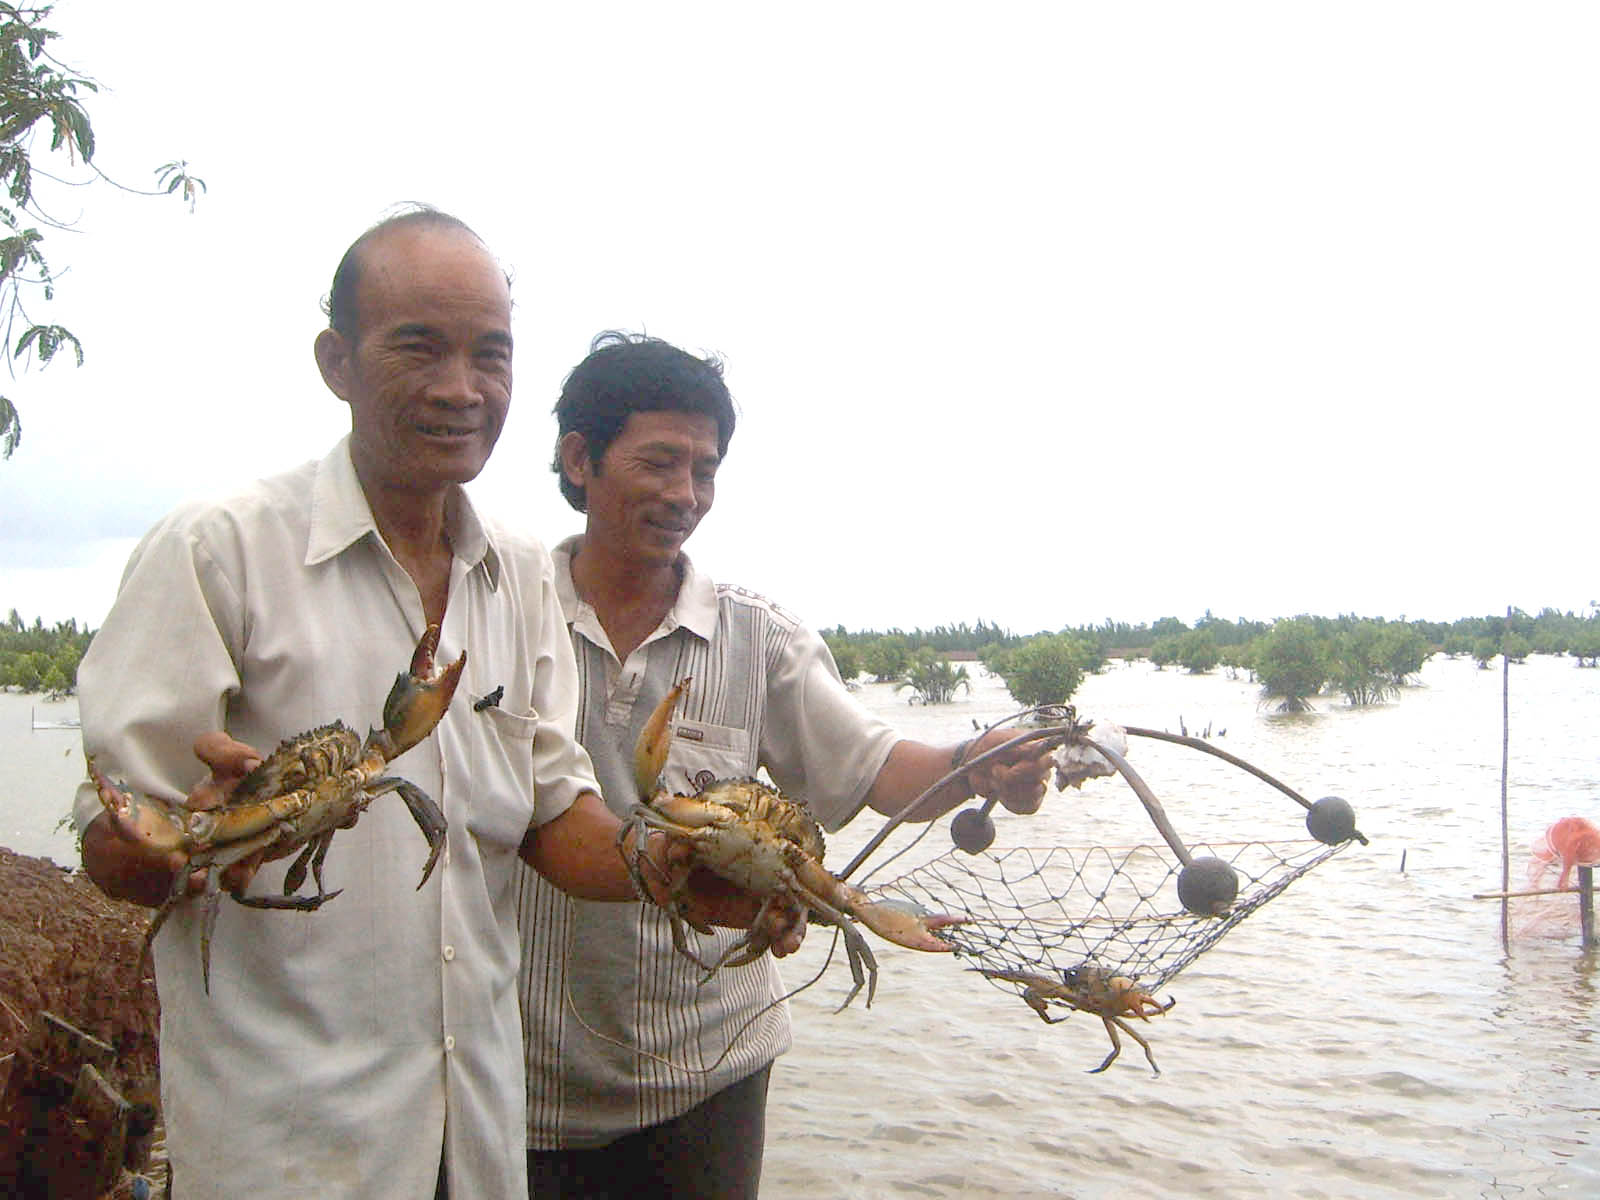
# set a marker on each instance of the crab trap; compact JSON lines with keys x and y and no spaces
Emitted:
{"x":1050,"y":909}
{"x":1099,"y":929}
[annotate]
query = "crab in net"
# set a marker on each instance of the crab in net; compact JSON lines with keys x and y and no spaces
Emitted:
{"x":1103,"y":929}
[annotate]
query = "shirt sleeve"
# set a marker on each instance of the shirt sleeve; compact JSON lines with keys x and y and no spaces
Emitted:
{"x":818,"y":741}
{"x":561,"y":767}
{"x":159,"y":670}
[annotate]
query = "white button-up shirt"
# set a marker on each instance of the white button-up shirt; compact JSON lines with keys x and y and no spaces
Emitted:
{"x":340,"y":1052}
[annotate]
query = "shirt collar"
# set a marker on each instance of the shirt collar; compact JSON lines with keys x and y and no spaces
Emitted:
{"x":695,"y":609}
{"x":341,"y":517}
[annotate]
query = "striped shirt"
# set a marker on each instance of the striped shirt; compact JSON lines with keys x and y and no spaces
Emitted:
{"x":621,"y":1033}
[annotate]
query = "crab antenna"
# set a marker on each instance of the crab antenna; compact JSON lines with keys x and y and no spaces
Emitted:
{"x":650,"y":755}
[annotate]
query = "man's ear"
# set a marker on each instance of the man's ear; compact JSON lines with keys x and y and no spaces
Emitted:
{"x":333,"y":353}
{"x":575,"y":462}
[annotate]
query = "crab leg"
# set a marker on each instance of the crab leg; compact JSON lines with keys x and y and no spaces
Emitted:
{"x":423,"y":811}
{"x":1112,"y":1024}
{"x":180,"y":888}
{"x":860,"y":956}
{"x":212,"y":899}
{"x":310,"y":856}
{"x":1116,"y":1047}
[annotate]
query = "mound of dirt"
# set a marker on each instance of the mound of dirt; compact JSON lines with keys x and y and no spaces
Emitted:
{"x":66,"y":948}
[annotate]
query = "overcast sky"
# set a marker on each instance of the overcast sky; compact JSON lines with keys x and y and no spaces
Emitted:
{"x":1034,"y":313}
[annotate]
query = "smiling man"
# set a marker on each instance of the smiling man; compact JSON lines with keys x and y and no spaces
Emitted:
{"x":374,"y":1048}
{"x":643,"y":1078}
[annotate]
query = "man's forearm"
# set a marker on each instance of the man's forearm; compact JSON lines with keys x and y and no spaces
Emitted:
{"x":577,"y":852}
{"x":911,"y":769}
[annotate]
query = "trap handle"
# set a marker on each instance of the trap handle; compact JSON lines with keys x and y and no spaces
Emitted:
{"x":1197,"y":744}
{"x":1055,"y":734}
{"x":1146,"y":797}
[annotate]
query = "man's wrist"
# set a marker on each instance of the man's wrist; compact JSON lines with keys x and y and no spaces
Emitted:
{"x":649,"y":871}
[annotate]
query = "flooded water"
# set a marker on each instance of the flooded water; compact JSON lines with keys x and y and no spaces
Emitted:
{"x":1364,"y":1034}
{"x":42,"y":769}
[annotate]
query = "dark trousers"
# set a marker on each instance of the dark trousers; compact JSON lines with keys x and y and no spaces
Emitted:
{"x":711,"y":1152}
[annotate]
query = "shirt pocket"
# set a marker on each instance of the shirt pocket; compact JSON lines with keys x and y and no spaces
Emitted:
{"x":501,"y":785}
{"x":701,"y":753}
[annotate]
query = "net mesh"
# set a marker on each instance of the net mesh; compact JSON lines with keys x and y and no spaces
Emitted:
{"x":1045,"y":910}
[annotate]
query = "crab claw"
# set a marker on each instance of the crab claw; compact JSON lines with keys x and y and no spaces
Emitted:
{"x":901,"y":923}
{"x":417,"y":700}
{"x":146,"y":821}
{"x":650,"y":755}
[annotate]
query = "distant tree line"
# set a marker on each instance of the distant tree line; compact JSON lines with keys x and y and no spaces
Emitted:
{"x":36,"y":659}
{"x":1366,"y":660}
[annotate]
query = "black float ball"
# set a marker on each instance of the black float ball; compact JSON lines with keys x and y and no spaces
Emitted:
{"x":1207,"y":886}
{"x":972,"y":830}
{"x":1331,"y":820}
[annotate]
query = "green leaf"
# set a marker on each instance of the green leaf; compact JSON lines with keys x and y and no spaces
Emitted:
{"x":10,"y":428}
{"x":46,"y":341}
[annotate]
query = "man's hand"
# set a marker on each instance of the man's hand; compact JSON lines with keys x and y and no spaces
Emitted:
{"x":130,"y":870}
{"x":230,"y":762}
{"x":708,"y":899}
{"x":1016,"y":778}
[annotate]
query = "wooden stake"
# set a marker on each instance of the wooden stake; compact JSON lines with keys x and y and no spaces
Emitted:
{"x":1586,"y":906}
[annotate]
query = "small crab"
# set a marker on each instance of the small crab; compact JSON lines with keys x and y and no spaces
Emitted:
{"x":306,"y":790}
{"x":1089,"y":988}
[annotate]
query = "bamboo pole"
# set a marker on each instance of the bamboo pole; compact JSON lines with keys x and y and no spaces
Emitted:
{"x":1566,"y":891}
{"x":1505,"y":764}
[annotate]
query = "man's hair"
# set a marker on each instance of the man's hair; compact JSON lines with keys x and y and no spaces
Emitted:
{"x":340,"y":305}
{"x":627,"y":373}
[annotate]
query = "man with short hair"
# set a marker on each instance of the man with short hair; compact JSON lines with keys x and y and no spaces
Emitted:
{"x":644,"y":1077}
{"x":372,"y":1049}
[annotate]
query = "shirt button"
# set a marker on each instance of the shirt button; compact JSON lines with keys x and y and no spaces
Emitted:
{"x":449,"y":1042}
{"x":449,"y":953}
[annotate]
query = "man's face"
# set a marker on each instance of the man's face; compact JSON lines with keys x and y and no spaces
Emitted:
{"x":652,"y":487}
{"x":428,"y":372}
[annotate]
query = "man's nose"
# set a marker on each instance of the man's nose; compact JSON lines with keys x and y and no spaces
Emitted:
{"x":454,"y":383}
{"x":680,"y":487}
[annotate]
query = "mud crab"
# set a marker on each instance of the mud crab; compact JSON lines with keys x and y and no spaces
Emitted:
{"x":1088,"y":988}
{"x":754,"y":836}
{"x":312,"y":785}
